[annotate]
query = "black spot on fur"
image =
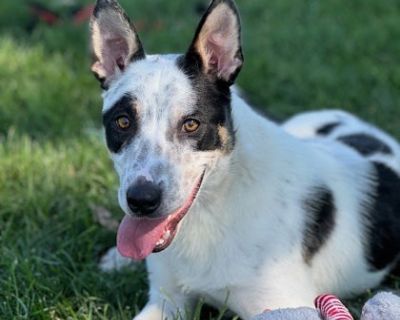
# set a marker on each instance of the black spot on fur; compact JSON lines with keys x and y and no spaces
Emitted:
{"x":326,"y":129}
{"x":320,"y":210}
{"x":116,"y":138}
{"x":365,"y":144}
{"x":384,"y":219}
{"x":213,"y":109}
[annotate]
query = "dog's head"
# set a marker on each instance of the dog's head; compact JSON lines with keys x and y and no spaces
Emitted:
{"x":167,"y":118}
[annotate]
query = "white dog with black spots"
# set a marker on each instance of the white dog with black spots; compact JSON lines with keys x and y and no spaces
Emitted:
{"x":225,"y":204}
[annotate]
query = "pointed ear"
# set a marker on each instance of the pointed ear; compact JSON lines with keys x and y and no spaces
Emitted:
{"x":217,"y":46}
{"x":115,"y":42}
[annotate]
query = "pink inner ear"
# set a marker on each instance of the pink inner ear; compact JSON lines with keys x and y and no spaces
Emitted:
{"x":115,"y":54}
{"x":221,"y":56}
{"x":215,"y":47}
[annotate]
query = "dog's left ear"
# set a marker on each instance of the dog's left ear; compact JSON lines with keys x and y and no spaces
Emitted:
{"x":216,"y":47}
{"x":115,"y":42}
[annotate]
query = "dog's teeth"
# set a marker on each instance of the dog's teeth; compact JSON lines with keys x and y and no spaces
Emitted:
{"x":164,"y":238}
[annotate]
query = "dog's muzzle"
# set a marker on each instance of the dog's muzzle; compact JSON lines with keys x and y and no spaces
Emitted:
{"x":137,"y":236}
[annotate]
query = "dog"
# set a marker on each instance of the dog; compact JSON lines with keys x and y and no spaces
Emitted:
{"x":222,"y":202}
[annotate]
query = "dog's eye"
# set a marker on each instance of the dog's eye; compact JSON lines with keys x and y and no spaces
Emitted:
{"x":123,"y":122}
{"x":190,"y":125}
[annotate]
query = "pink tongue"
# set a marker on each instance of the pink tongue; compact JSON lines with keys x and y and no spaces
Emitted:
{"x":137,"y":238}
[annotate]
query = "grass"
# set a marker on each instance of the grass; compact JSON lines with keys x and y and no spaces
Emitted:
{"x":53,"y":163}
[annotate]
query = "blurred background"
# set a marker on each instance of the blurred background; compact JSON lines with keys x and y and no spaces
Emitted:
{"x":58,"y":201}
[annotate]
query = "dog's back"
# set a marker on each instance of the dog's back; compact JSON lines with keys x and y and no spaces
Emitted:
{"x":381,"y":215}
{"x":336,"y":125}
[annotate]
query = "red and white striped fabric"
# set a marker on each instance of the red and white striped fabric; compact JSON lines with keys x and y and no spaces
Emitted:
{"x":331,"y":308}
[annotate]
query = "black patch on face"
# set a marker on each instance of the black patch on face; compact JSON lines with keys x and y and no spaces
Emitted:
{"x":320,"y":210}
{"x":365,"y":144}
{"x":116,"y":137}
{"x":384,"y":219}
{"x":213,"y":109}
{"x":326,"y":129}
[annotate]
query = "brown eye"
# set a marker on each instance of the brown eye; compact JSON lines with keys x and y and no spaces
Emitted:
{"x":123,"y":122}
{"x":190,"y":125}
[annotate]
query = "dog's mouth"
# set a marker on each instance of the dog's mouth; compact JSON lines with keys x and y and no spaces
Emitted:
{"x":139,"y":237}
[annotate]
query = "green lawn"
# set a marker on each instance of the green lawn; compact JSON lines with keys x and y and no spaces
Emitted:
{"x":54,"y":166}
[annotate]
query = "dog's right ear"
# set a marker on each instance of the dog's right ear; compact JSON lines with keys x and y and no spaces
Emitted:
{"x":114,"y":41}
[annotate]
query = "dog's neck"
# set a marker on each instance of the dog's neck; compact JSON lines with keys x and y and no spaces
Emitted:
{"x":265,"y":160}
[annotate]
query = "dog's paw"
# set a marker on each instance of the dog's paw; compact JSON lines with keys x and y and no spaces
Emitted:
{"x":113,"y":261}
{"x":155,"y":312}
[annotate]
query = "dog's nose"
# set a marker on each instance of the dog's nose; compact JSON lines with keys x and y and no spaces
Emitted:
{"x":144,"y":198}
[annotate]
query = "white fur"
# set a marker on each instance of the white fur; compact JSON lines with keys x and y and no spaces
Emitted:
{"x":241,"y":242}
{"x":160,"y":106}
{"x":242,"y":239}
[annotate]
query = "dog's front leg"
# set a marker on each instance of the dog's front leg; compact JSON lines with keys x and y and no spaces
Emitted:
{"x":160,"y":307}
{"x":166,"y":299}
{"x":152,"y":311}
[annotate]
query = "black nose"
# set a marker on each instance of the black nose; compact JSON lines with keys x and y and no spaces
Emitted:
{"x":144,"y":198}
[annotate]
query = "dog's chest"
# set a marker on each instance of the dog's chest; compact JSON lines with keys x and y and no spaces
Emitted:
{"x":217,"y":281}
{"x":216,"y":256}
{"x":215,"y":269}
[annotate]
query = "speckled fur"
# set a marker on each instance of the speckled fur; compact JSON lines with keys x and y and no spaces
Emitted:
{"x":242,"y":241}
